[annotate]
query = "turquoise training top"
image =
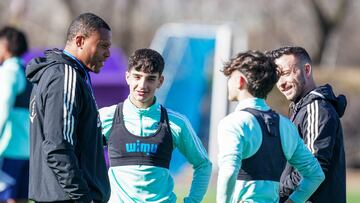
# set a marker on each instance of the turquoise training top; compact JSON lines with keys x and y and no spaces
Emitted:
{"x":239,"y":137}
{"x":14,"y":121}
{"x":140,"y":183}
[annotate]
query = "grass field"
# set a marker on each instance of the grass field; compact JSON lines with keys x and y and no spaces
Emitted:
{"x":182,"y":185}
{"x":352,"y":197}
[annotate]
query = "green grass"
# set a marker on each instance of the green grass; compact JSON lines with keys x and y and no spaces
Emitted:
{"x":181,"y":192}
{"x":352,"y":196}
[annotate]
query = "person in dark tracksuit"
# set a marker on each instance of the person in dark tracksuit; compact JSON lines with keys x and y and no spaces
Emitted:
{"x":316,"y":112}
{"x":67,"y":163}
{"x":14,"y":117}
{"x":255,"y":142}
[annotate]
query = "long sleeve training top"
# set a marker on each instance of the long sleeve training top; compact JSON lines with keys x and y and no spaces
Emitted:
{"x":140,"y":183}
{"x":239,"y":137}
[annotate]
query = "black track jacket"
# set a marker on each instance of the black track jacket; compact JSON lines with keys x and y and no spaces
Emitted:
{"x":317,"y":117}
{"x":66,"y":149}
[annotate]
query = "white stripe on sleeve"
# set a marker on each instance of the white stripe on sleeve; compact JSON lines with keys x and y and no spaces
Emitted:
{"x":69,"y":98}
{"x":313,"y":122}
{"x":308,"y":126}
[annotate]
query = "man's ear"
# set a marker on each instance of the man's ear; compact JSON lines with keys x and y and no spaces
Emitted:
{"x":79,"y":40}
{"x":242,"y":81}
{"x":307,"y":70}
{"x":127,"y":76}
{"x":161,"y":80}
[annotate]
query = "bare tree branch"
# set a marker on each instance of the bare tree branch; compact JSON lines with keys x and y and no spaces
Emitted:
{"x":327,"y":24}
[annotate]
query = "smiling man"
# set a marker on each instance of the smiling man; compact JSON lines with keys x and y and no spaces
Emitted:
{"x":255,"y":142}
{"x":142,"y":135}
{"x":66,"y":149}
{"x":316,"y":112}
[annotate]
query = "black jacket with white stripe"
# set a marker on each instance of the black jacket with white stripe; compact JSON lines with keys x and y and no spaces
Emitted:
{"x":317,"y":117}
{"x":66,"y":149}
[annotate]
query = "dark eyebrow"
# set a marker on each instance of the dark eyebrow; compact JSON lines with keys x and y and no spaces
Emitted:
{"x":149,"y":77}
{"x":135,"y":74}
{"x":152,"y":77}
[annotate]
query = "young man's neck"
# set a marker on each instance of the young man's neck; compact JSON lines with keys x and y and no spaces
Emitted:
{"x":142,"y":105}
{"x":244,"y":95}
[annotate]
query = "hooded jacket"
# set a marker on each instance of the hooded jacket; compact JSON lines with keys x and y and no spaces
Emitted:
{"x":66,"y":149}
{"x":317,"y":117}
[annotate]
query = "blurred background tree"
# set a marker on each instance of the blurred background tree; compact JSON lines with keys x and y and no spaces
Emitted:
{"x":324,"y":27}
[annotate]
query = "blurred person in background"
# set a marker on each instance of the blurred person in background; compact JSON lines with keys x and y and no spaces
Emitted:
{"x":255,"y":142}
{"x":142,"y":135}
{"x":316,"y":112}
{"x":14,"y":117}
{"x":67,"y":163}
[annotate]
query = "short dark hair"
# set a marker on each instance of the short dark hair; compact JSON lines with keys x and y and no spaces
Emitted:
{"x":299,"y":53}
{"x":259,"y":70}
{"x":86,"y":23}
{"x":146,"y":60}
{"x":17,"y":43}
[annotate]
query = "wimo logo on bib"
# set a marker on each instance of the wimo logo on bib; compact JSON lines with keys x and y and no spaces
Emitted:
{"x":141,"y":147}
